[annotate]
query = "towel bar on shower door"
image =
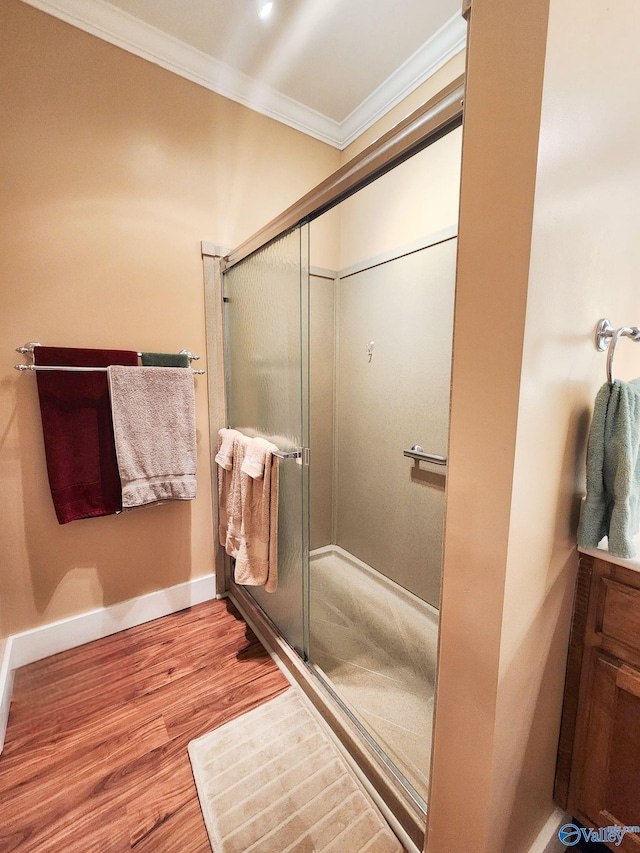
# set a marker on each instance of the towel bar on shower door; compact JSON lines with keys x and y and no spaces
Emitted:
{"x":301,"y":453}
{"x":292,"y":454}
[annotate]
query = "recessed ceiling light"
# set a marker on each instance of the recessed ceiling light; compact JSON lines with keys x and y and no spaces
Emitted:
{"x":264,"y":10}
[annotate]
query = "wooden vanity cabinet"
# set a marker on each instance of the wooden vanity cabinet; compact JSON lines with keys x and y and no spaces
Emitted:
{"x":598,"y":772}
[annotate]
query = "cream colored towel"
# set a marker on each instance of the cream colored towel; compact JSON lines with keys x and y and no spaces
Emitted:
{"x":153,"y":410}
{"x":256,"y":457}
{"x":257,"y":557}
{"x":233,"y":498}
{"x":224,"y":456}
{"x":224,"y":459}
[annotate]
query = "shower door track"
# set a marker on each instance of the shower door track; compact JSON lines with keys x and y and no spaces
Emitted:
{"x":393,"y":794}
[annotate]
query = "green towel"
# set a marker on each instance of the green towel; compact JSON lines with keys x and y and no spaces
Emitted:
{"x":612,"y":505}
{"x":164,"y":359}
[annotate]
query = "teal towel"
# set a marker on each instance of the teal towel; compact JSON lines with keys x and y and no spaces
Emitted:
{"x":164,"y":359}
{"x":612,"y":505}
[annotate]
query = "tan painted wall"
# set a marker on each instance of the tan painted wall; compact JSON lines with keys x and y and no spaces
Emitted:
{"x":113,"y":171}
{"x":540,"y":270}
{"x":585,"y":259}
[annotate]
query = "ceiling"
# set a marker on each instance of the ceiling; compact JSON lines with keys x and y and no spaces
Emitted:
{"x":330,"y":68}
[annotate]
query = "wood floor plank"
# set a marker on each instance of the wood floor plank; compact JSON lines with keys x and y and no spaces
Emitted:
{"x":85,"y":761}
{"x":158,"y":800}
{"x":92,"y":692}
{"x":77,"y":832}
{"x":77,"y":670}
{"x":96,"y":749}
{"x":157,"y":667}
{"x":37,"y":801}
{"x":93,"y":807}
{"x":88,"y":838}
{"x":183,"y":832}
{"x":196,"y":718}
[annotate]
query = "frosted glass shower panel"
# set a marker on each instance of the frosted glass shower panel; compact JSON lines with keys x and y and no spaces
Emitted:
{"x":263,"y":358}
{"x":266,"y":304}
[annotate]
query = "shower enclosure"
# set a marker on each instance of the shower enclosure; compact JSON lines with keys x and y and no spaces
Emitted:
{"x":337,"y":348}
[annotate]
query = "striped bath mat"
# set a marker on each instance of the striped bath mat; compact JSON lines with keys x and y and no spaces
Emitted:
{"x":271,"y":781}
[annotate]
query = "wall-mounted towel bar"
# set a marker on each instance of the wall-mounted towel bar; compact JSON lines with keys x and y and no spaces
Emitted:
{"x":40,"y":367}
{"x":607,"y":336}
{"x":416,"y":452}
{"x":28,"y":348}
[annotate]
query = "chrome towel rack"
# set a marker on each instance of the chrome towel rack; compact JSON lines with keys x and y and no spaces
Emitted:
{"x":28,"y":348}
{"x":607,"y":336}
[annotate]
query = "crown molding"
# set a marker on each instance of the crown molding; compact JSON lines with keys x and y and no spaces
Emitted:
{"x":125,"y":31}
{"x":446,"y":43}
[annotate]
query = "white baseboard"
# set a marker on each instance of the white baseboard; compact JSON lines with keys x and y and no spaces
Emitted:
{"x":37,"y":643}
{"x":6,"y":686}
{"x":548,"y":840}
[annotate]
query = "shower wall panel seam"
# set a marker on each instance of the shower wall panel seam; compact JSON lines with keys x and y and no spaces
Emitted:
{"x":450,"y":233}
{"x":442,"y":236}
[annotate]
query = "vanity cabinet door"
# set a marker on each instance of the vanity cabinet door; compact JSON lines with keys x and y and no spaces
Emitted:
{"x":610,"y":786}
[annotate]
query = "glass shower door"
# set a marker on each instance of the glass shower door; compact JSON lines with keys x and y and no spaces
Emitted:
{"x":266,"y":356}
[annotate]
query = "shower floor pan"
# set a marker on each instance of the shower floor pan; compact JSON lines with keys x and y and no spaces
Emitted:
{"x":375,"y":644}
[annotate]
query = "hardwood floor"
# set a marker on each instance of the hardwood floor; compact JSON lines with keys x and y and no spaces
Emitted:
{"x":95,"y":757}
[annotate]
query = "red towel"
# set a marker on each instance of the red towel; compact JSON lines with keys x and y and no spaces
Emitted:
{"x":78,"y":431}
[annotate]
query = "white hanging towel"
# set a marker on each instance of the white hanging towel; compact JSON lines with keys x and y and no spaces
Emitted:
{"x":153,"y":411}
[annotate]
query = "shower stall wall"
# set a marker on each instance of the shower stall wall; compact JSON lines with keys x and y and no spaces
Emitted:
{"x":388,"y":509}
